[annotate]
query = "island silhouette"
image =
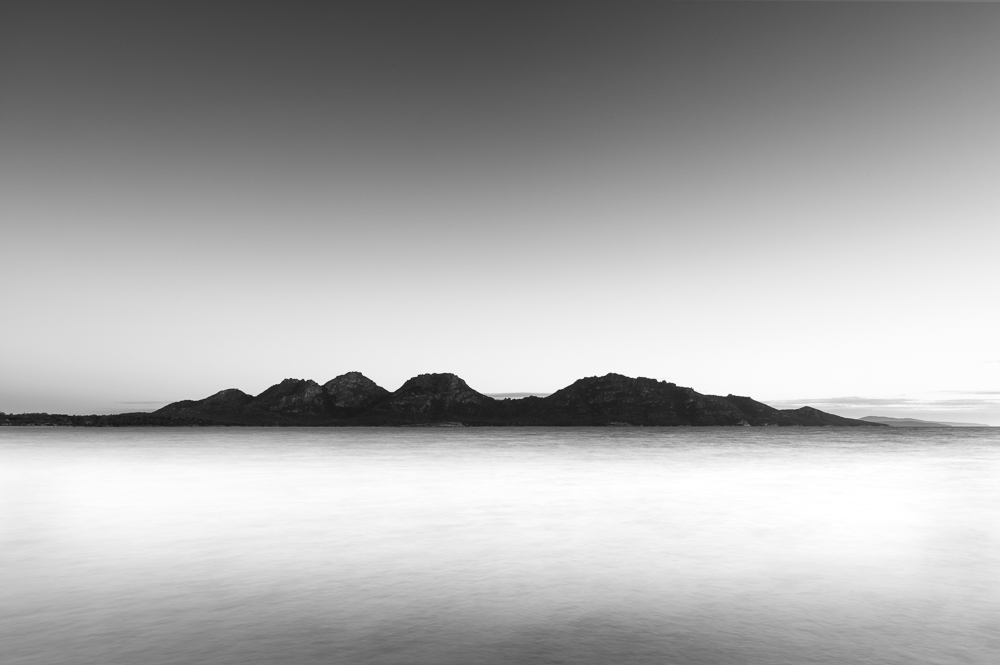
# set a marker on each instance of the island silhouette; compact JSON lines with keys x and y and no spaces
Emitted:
{"x":353,"y":399}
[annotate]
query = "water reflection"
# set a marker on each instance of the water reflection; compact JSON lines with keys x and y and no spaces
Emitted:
{"x":499,"y":546}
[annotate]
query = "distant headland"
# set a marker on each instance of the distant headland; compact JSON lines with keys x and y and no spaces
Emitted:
{"x":353,"y":399}
{"x":915,"y":422}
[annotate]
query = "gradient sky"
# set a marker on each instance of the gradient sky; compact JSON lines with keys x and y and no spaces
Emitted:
{"x":793,"y":201}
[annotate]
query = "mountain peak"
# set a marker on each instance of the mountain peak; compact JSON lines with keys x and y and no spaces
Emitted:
{"x":353,"y":390}
{"x":435,"y":398}
{"x":294,"y":396}
{"x":227,"y":397}
{"x":442,"y":381}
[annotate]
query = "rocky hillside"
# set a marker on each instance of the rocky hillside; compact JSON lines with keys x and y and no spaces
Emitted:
{"x":291,"y":402}
{"x":433,"y":398}
{"x":614,"y":399}
{"x":354,"y":391}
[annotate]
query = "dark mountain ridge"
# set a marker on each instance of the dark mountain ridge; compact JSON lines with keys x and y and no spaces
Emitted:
{"x":428,"y":399}
{"x":445,"y":399}
{"x":291,"y":402}
{"x":433,"y":398}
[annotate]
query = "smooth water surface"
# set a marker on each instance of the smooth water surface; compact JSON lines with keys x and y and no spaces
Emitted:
{"x":482,"y":546}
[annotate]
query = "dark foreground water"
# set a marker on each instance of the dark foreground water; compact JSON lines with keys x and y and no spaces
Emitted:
{"x":481,"y":546}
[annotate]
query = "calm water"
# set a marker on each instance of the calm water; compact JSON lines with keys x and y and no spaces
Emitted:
{"x":481,"y":546}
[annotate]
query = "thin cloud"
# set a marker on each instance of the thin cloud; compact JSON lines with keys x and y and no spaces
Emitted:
{"x":845,"y":401}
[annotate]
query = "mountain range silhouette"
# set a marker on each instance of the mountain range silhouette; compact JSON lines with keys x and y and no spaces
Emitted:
{"x":445,"y":399}
{"x":353,"y":399}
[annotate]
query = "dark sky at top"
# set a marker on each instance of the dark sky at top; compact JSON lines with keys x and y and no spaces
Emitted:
{"x":200,"y":195}
{"x":390,"y":84}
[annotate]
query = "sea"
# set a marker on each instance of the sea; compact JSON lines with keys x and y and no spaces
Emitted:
{"x":466,"y":546}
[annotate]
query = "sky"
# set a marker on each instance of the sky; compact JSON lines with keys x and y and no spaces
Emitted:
{"x":792,"y":201}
